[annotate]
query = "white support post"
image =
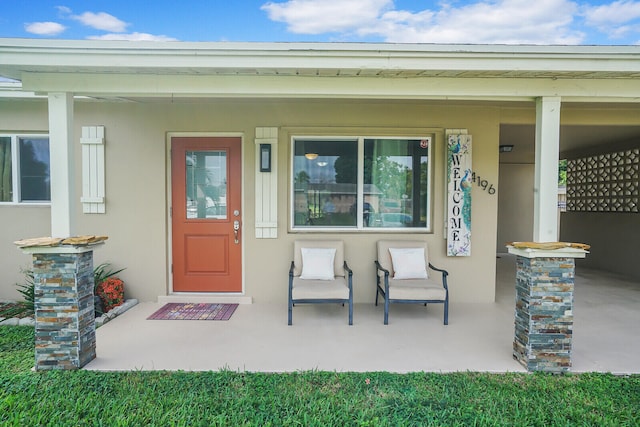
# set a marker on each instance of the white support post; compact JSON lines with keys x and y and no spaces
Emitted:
{"x":62,"y":164}
{"x":545,"y":217}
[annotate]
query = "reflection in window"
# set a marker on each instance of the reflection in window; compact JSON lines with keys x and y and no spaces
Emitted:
{"x":325,"y":182}
{"x":399,"y":170}
{"x":6,"y":174}
{"x":393,"y":192}
{"x":206,"y":184}
{"x":34,"y":169}
{"x":24,"y":169}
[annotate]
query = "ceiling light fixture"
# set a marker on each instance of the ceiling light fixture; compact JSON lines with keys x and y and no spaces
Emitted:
{"x":506,"y":148}
{"x":311,"y":156}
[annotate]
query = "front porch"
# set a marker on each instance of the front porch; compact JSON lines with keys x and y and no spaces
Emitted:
{"x":479,"y":337}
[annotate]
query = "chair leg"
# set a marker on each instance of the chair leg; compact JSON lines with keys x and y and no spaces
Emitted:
{"x":350,"y":313}
{"x":386,"y":311}
{"x":377,"y":293}
{"x":446,"y":312}
{"x":290,"y":312}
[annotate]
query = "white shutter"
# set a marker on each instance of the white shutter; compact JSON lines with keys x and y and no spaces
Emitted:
{"x":93,"y":194}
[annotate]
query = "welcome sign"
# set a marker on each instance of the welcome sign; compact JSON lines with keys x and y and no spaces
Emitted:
{"x":459,"y":186}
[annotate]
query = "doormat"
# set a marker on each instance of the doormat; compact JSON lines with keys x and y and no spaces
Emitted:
{"x":191,"y":311}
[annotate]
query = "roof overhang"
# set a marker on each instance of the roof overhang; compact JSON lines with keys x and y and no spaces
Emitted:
{"x":319,"y":70}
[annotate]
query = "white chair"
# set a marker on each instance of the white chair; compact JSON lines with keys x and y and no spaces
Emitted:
{"x":402,"y":276}
{"x":319,"y":274}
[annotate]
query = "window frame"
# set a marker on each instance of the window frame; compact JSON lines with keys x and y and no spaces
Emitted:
{"x":15,"y":169}
{"x":360,"y":141}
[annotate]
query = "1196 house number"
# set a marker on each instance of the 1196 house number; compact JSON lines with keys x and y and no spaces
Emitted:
{"x":483,"y":183}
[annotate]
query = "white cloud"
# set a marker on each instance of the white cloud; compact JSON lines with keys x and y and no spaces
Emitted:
{"x":618,"y":12}
{"x":133,"y":37}
{"x":325,"y":16}
{"x":44,"y":28}
{"x":102,"y":21}
{"x":116,"y":28}
{"x":615,"y":19}
{"x":488,"y":21}
{"x":64,"y":10}
{"x":503,"y":21}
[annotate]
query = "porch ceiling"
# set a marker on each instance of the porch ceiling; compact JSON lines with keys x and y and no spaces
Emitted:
{"x":572,"y":138}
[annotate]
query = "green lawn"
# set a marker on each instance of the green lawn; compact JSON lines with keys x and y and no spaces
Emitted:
{"x":303,"y":399}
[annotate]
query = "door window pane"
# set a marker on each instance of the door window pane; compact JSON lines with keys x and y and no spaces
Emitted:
{"x":34,"y":169}
{"x":206,"y":184}
{"x":395,"y":183}
{"x":6,"y":182}
{"x":325,"y":183}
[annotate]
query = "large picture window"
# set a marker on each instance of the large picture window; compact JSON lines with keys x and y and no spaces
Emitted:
{"x":24,"y":169}
{"x":361,"y":183}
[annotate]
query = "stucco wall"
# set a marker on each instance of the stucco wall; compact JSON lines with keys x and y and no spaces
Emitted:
{"x":515,"y":204}
{"x":613,"y":238}
{"x":136,"y":160}
{"x":18,"y":223}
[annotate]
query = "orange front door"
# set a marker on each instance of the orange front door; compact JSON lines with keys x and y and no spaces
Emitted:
{"x":206,"y":214}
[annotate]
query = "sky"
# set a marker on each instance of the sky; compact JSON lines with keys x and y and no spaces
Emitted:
{"x":549,"y":22}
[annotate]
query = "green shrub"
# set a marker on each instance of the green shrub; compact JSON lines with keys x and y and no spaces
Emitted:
{"x":24,"y":308}
{"x":102,"y":272}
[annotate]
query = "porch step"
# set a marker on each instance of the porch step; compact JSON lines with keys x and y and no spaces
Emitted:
{"x":205,"y":298}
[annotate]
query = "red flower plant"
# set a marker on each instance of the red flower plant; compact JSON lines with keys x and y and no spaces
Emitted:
{"x":111,"y":292}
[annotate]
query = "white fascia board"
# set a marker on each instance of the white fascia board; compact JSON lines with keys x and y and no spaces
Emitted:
{"x":13,"y":94}
{"x":87,"y":48}
{"x":201,"y":58}
{"x":12,"y":89}
{"x":331,"y":87}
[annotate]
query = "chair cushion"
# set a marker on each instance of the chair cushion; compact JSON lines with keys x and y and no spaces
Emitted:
{"x":384,"y":256}
{"x":338,"y":245}
{"x":320,"y":289}
{"x":317,"y":263}
{"x":423,"y":289}
{"x":408,"y":263}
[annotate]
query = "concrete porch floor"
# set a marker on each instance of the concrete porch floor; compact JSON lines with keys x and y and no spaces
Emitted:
{"x":479,"y":337}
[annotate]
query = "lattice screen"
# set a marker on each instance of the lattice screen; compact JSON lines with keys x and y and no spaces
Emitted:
{"x":605,"y":182}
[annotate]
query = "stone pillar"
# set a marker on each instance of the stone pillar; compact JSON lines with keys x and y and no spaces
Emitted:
{"x":544,"y":307}
{"x":65,"y":334}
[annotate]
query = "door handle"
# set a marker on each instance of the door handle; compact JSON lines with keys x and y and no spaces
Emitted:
{"x":236,"y":230}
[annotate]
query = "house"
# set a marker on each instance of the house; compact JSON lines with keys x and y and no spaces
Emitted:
{"x":192,"y":157}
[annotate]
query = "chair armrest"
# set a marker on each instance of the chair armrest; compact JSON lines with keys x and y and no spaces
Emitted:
{"x":291,"y":269}
{"x":291,"y":276}
{"x":347,"y":269}
{"x":350,"y":276}
{"x":379,"y":267}
{"x":445,"y":273}
{"x":386,"y":277}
